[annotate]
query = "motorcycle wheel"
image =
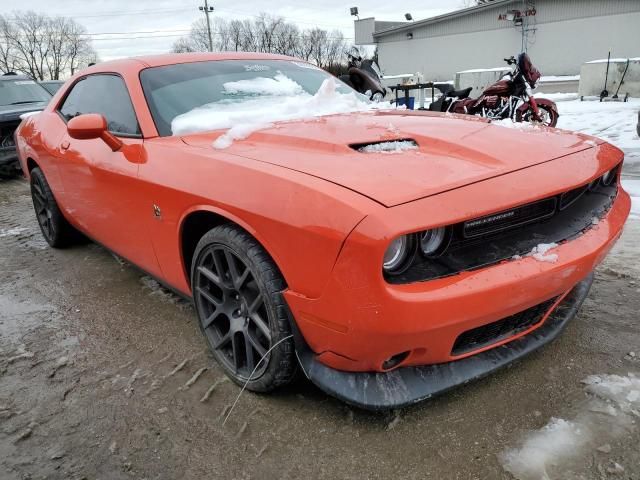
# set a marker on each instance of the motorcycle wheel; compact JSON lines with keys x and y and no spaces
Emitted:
{"x":377,"y":97}
{"x":548,"y":116}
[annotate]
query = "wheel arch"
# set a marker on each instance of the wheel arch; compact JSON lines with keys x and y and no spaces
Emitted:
{"x":31,"y":164}
{"x":198,"y":220}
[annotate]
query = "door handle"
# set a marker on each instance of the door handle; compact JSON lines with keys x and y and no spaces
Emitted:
{"x":65,"y":145}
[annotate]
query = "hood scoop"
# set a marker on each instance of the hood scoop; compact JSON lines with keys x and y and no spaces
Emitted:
{"x":400,"y":145}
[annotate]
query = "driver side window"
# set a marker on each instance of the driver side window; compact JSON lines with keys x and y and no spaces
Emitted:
{"x":107,"y":95}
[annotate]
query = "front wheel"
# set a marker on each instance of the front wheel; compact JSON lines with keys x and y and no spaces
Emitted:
{"x":54,"y":227}
{"x":547,"y":116}
{"x":237,"y":290}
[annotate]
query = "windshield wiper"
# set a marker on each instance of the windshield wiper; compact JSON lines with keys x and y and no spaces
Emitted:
{"x":25,"y":101}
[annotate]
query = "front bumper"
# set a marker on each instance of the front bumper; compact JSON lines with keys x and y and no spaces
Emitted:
{"x":361,"y":322}
{"x":409,"y":385}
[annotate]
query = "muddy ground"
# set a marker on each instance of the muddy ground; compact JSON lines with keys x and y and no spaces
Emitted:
{"x":95,"y":361}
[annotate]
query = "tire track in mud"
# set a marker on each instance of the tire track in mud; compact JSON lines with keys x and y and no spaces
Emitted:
{"x":111,"y":410}
{"x":69,"y":381}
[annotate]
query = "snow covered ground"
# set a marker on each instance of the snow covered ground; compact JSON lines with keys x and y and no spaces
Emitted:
{"x":611,"y":409}
{"x":614,"y":122}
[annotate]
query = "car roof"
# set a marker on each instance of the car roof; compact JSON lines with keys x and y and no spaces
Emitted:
{"x":13,"y":76}
{"x":147,"y":61}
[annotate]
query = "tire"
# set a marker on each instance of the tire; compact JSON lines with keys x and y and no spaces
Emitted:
{"x":54,"y":227}
{"x":549,"y":113}
{"x":549,"y":116}
{"x":237,"y":291}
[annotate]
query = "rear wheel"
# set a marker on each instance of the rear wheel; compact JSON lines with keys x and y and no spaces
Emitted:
{"x":238,"y":296}
{"x":56,"y":230}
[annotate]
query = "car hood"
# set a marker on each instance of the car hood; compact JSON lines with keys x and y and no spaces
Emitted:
{"x":10,"y":113}
{"x":453,"y":151}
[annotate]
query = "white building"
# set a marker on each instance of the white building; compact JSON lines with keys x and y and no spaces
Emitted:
{"x":559,"y":35}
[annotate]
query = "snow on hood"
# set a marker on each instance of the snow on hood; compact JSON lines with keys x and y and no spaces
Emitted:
{"x":452,"y":151}
{"x":278,"y":99}
{"x":396,"y":146}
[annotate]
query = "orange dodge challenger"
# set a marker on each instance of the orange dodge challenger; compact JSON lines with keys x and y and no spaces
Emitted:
{"x":390,"y":255}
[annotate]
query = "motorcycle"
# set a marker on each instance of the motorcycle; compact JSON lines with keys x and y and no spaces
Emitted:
{"x":510,"y":97}
{"x":364,"y":77}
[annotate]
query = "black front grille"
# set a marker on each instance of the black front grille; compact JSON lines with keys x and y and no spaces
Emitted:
{"x":502,"y":329}
{"x":512,"y":218}
{"x":569,"y":198}
{"x":504,"y":235}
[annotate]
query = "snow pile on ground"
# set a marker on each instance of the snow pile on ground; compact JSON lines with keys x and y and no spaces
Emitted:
{"x":556,"y":441}
{"x":563,"y":446}
{"x":397,"y":146}
{"x":614,"y":122}
{"x":623,"y":392}
{"x":615,"y":60}
{"x":10,"y":232}
{"x":559,"y":78}
{"x":274,"y":100}
{"x":632,"y":186}
{"x":558,"y":97}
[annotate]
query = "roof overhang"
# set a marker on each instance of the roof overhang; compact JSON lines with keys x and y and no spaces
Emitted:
{"x":441,"y":18}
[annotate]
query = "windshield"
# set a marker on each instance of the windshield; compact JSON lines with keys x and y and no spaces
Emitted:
{"x":16,"y":92}
{"x":212,"y":95}
{"x":51,"y":87}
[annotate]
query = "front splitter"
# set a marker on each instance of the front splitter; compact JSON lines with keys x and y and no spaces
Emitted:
{"x":406,"y":386}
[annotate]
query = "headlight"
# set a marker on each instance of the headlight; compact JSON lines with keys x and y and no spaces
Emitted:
{"x":432,"y":241}
{"x":397,"y":256}
{"x":609,"y":177}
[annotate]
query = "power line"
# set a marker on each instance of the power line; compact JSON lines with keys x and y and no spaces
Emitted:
{"x":182,"y":10}
{"x":207,"y":10}
{"x":175,"y":35}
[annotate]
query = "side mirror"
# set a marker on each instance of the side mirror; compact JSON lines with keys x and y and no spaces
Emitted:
{"x":91,"y":126}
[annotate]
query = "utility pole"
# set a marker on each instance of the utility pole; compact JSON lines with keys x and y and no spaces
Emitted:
{"x":207,"y":10}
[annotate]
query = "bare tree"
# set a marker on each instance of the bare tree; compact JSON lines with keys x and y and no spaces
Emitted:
{"x":8,"y":58}
{"x":270,"y":34}
{"x":42,"y":46}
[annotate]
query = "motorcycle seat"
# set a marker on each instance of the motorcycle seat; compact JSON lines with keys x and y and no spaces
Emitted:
{"x":464,"y":93}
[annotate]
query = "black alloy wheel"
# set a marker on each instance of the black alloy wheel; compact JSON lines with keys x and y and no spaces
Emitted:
{"x":237,"y":292}
{"x":55,"y":228}
{"x":43,"y":209}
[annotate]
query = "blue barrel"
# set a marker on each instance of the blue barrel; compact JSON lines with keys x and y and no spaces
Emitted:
{"x":401,"y":101}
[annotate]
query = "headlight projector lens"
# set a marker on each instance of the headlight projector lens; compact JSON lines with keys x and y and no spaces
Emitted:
{"x":395,"y":258}
{"x":432,"y":241}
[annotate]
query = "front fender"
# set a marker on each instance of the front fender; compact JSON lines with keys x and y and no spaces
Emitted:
{"x":548,"y":103}
{"x":534,"y":103}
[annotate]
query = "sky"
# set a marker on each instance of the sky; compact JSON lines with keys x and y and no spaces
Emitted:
{"x":121,"y":28}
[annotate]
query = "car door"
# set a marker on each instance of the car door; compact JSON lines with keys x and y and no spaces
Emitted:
{"x":101,"y":186}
